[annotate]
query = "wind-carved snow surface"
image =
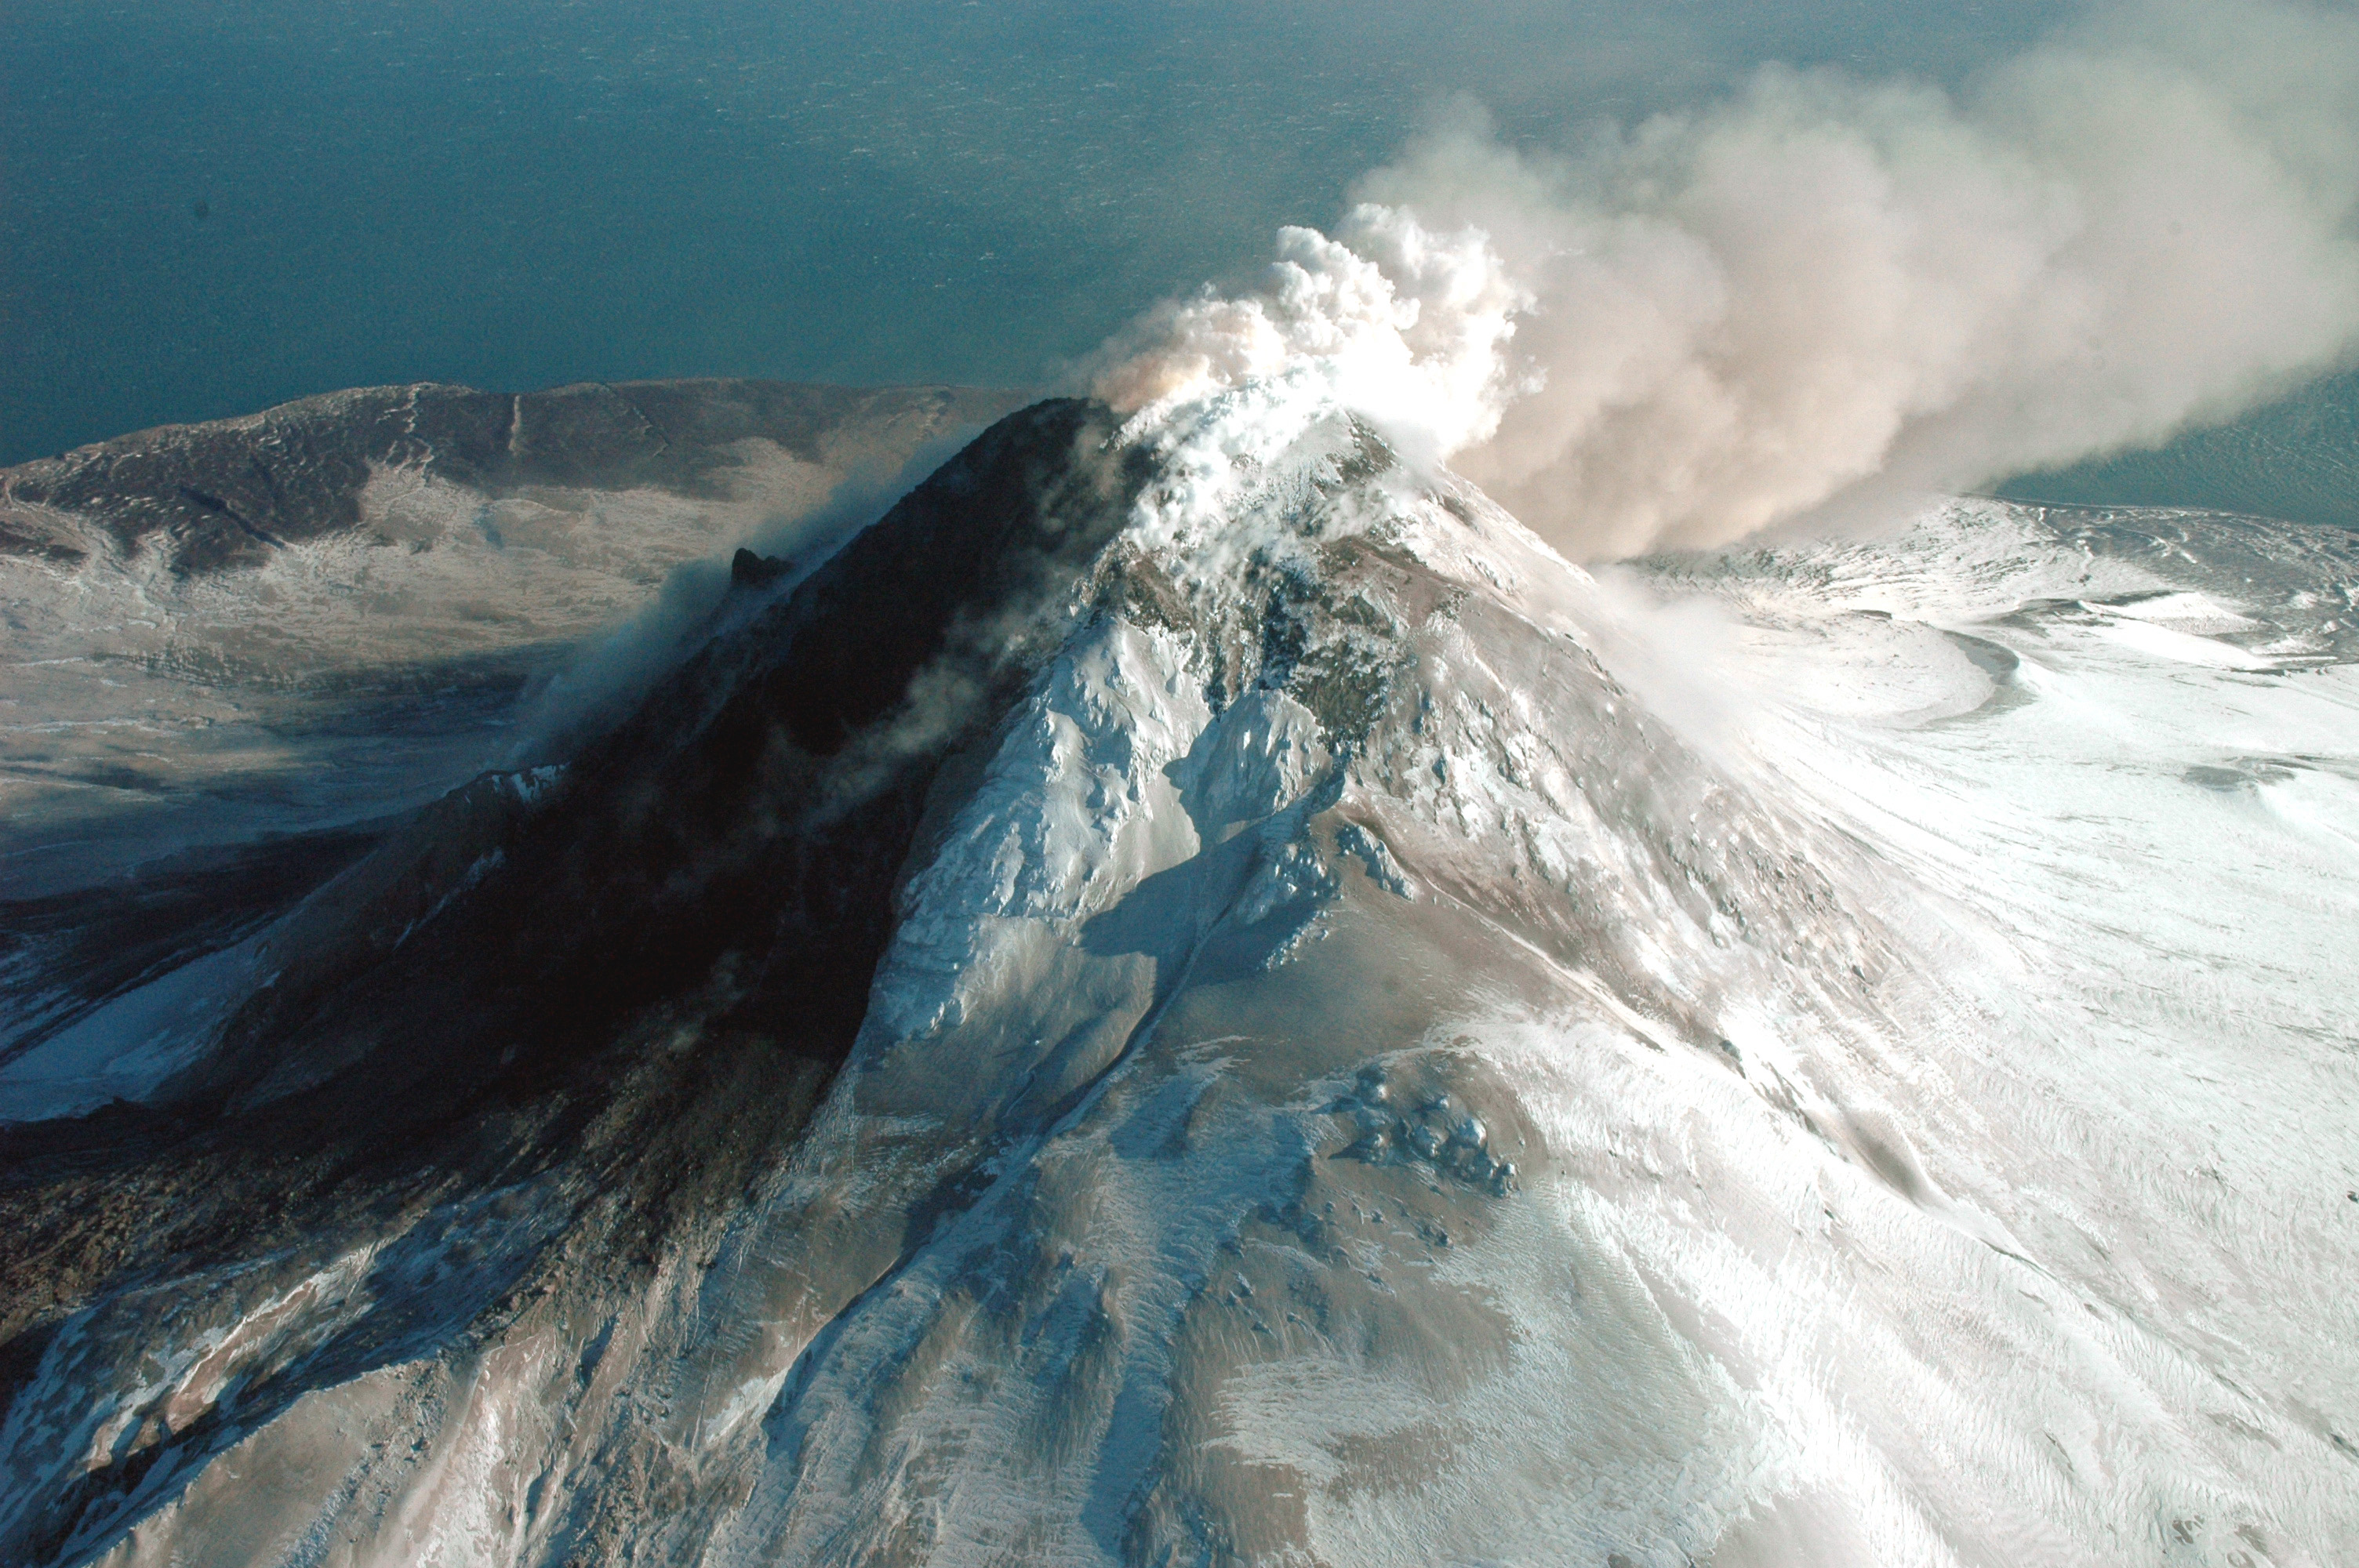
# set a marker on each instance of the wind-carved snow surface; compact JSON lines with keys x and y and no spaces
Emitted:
{"x":1399,"y":1051}
{"x":1664,"y":1157}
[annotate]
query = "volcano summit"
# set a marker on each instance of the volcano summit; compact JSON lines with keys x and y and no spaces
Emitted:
{"x":1196,"y":994}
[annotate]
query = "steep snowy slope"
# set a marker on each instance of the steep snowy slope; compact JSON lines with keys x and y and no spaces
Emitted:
{"x":1199,"y":996}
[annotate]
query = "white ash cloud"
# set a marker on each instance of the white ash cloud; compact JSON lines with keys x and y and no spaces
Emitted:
{"x":1409,"y":326}
{"x":1825,"y":290}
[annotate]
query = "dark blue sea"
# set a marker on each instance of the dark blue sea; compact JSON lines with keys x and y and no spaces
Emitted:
{"x":207,"y":206}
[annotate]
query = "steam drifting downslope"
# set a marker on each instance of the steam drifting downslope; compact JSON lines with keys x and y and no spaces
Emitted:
{"x":1824,"y":288}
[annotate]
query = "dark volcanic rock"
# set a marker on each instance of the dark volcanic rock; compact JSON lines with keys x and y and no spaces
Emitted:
{"x":737,"y":840}
{"x":334,"y":610}
{"x":747,"y":569}
{"x":500,"y":991}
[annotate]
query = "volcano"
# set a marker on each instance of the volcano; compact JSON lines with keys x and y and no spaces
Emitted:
{"x":1195,"y":994}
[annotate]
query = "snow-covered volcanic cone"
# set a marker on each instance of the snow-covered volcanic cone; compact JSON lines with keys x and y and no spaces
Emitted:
{"x":1196,"y":994}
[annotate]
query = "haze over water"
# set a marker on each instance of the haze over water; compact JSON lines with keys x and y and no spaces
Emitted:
{"x":529,"y":192}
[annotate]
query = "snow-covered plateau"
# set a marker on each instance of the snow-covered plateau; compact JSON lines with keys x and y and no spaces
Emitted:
{"x":1198,"y":995}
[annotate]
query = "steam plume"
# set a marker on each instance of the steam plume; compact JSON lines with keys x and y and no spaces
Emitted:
{"x":1824,"y":289}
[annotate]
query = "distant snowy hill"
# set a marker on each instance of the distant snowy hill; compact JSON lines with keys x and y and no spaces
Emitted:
{"x":1197,"y":995}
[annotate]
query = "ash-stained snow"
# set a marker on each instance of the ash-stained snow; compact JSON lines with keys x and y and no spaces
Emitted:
{"x":1806,"y":1231}
{"x":1399,"y":1051}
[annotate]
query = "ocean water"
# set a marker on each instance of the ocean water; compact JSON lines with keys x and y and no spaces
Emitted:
{"x":2296,"y":459}
{"x":207,"y":206}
